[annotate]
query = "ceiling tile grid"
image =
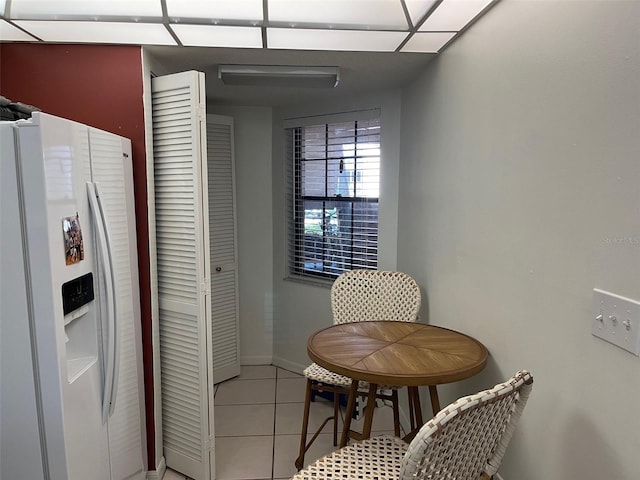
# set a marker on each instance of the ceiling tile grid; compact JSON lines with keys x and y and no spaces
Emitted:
{"x":418,"y":26}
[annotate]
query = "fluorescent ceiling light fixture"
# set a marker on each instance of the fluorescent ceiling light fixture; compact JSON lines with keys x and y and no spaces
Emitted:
{"x":427,"y":42}
{"x":418,"y":8}
{"x":279,"y":75}
{"x":355,"y":14}
{"x":218,"y":36}
{"x":85,"y":9}
{"x":9,"y":33}
{"x":230,"y":10}
{"x":453,"y":15}
{"x":344,"y":40}
{"x":99,"y":32}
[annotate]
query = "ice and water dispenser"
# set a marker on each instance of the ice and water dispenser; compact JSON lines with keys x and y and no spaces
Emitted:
{"x":80,"y":327}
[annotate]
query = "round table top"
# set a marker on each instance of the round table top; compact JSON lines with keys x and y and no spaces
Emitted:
{"x":397,"y":353}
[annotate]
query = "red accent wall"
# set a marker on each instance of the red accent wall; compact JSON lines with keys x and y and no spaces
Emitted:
{"x":100,"y":86}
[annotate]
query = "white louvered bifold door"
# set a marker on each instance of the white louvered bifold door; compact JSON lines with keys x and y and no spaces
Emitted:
{"x":112,"y":171}
{"x":222,"y":235}
{"x":182,"y":243}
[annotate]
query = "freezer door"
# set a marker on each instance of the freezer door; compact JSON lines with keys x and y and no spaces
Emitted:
{"x":59,"y":246}
{"x":20,"y":450}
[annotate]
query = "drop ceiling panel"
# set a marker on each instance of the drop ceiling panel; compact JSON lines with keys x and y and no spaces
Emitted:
{"x":453,"y":15}
{"x":218,"y":36}
{"x":99,"y":32}
{"x":365,"y":14}
{"x":427,"y":42}
{"x":9,"y":33}
{"x":50,"y":10}
{"x":219,"y":10}
{"x":344,"y":40}
{"x":418,"y":8}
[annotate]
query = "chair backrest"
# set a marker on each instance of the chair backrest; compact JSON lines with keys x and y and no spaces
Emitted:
{"x":360,"y":295}
{"x":468,"y":438}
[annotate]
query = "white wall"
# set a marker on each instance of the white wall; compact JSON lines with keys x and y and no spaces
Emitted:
{"x":520,"y":193}
{"x":252,"y":134}
{"x":302,"y":308}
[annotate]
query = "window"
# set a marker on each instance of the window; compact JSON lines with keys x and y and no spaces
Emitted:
{"x":333,"y":203}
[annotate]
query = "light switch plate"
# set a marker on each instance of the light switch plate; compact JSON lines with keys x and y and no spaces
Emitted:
{"x":616,"y":319}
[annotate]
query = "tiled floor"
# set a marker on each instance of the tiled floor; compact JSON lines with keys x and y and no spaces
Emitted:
{"x":258,"y":417}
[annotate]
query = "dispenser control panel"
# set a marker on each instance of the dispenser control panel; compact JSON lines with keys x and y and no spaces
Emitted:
{"x":77,"y":292}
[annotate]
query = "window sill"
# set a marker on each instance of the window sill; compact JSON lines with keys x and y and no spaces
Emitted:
{"x":313,"y":281}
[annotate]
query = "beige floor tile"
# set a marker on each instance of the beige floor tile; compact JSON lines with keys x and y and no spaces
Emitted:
{"x":171,"y":475}
{"x":254,"y":372}
{"x":242,"y":392}
{"x":289,"y":417}
{"x":244,"y":458}
{"x":287,"y":447}
{"x":290,"y":390}
{"x":243,"y":420}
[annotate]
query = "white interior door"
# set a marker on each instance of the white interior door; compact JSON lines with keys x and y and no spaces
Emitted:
{"x":222,"y":235}
{"x":183,"y":263}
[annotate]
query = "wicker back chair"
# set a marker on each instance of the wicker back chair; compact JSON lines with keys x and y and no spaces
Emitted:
{"x":360,"y":295}
{"x":466,"y":440}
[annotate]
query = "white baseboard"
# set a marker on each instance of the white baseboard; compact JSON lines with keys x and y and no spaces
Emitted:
{"x":158,"y":473}
{"x":256,"y":360}
{"x":288,"y":365}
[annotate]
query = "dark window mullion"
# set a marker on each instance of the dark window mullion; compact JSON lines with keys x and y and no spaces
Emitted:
{"x":340,"y":199}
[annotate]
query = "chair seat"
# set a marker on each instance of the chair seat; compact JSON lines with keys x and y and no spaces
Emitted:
{"x":372,"y":459}
{"x":320,"y":374}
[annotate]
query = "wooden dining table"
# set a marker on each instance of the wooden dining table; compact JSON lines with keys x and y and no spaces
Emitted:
{"x":395,"y":354}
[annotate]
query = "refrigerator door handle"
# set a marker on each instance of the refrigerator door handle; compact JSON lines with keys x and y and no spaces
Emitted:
{"x":109,"y":326}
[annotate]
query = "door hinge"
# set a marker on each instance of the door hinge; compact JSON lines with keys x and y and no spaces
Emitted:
{"x":206,"y":286}
{"x":210,"y":443}
{"x":201,"y":113}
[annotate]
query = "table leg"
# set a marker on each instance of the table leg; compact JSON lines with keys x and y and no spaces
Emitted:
{"x":435,"y":402}
{"x":412,"y":420}
{"x":415,"y":412}
{"x":417,"y":407}
{"x":371,"y":406}
{"x":351,"y":404}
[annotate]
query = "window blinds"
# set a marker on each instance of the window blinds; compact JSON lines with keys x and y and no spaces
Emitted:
{"x":334,"y":181}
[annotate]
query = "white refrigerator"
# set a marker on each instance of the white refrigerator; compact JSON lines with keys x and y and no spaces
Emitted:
{"x":71,"y":390}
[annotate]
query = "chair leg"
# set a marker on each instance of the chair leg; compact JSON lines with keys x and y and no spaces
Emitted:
{"x":305,"y":425}
{"x":312,"y":388}
{"x":336,"y":413}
